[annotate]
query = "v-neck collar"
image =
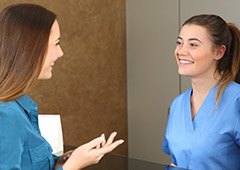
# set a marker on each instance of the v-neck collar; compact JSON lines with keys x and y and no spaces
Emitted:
{"x":204,"y":111}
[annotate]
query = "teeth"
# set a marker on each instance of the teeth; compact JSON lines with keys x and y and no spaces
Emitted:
{"x":185,"y":62}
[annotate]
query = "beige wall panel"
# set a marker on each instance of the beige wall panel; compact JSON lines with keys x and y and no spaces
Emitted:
{"x":88,"y":87}
{"x":153,"y":81}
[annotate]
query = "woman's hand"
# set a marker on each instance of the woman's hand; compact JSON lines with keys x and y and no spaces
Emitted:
{"x":63,"y":159}
{"x":91,"y":152}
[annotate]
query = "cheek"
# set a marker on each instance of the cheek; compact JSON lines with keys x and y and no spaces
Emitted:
{"x":50,"y":56}
{"x":207,"y":56}
{"x":47,"y":61}
{"x":175,"y":52}
{"x":204,"y":60}
{"x":53,"y":55}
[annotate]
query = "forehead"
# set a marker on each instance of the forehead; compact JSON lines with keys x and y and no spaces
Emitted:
{"x":55,"y":31}
{"x":190,"y":31}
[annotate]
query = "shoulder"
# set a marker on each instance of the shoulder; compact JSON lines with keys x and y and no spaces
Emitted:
{"x":233,"y":87}
{"x":11,"y":116}
{"x":182,"y":97}
{"x":10,"y":109}
{"x":232,"y":91}
{"x":230,"y":99}
{"x":180,"y":101}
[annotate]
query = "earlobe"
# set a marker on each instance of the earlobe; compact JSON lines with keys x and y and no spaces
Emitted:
{"x":220,"y":51}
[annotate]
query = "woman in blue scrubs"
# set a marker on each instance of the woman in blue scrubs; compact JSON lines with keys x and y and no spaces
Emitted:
{"x":203,"y":129}
{"x":29,"y":47}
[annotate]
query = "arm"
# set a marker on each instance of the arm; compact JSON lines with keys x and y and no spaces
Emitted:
{"x":11,"y":139}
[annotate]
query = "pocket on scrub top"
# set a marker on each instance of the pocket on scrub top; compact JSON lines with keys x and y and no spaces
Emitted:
{"x":41,"y":157}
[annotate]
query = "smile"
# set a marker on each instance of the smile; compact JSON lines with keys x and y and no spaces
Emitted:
{"x":185,"y":61}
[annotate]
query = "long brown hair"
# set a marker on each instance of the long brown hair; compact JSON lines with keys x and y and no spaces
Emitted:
{"x":226,"y":34}
{"x":24,"y":34}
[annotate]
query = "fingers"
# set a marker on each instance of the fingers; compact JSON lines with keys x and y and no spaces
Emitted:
{"x":106,"y":146}
{"x":67,"y":155}
{"x":103,"y":143}
{"x":111,"y":138}
{"x":110,"y":147}
{"x":68,"y":152}
{"x":114,"y":145}
{"x":95,"y":142}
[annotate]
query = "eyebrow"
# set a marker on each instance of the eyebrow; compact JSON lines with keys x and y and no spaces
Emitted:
{"x":191,"y":39}
{"x":58,"y":39}
{"x":195,"y":39}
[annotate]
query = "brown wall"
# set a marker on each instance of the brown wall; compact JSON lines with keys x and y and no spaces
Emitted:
{"x":88,"y":87}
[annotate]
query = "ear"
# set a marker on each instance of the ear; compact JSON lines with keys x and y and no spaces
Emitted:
{"x":219,"y":52}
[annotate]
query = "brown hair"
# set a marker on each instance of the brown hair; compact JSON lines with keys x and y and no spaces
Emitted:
{"x":24,"y":34}
{"x":226,"y":34}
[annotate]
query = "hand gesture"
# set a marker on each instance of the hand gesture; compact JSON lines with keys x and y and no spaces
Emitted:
{"x":91,"y":152}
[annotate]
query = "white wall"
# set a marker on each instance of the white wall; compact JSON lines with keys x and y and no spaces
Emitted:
{"x":153,"y":82}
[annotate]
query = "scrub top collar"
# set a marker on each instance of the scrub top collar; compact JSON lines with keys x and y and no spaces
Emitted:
{"x":204,"y":111}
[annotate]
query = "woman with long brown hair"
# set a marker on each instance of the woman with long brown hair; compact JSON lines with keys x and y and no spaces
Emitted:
{"x":29,"y":47}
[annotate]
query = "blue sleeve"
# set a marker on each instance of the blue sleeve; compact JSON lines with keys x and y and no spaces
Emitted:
{"x":12,"y":139}
{"x":237,"y":126}
{"x":165,"y":146}
{"x":237,"y":133}
{"x":55,"y":158}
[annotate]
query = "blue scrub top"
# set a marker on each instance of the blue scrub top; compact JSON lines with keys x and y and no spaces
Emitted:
{"x":21,"y":144}
{"x":212,"y":139}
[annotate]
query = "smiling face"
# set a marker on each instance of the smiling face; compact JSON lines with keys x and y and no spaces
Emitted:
{"x":194,"y":52}
{"x":53,"y":53}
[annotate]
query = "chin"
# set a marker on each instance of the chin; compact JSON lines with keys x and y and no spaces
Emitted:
{"x":48,"y":77}
{"x":45,"y":77}
{"x":182,"y":73}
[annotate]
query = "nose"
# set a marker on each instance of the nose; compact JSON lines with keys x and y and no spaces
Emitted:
{"x":181,"y":50}
{"x":60,"y":52}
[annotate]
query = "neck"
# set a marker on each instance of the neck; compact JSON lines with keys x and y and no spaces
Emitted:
{"x":200,"y":89}
{"x":202,"y":86}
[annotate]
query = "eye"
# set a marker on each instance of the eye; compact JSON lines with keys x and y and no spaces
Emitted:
{"x":193,"y":45}
{"x":179,"y":43}
{"x":58,"y":43}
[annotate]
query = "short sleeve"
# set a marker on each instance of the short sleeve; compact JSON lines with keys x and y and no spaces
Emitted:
{"x":237,"y":128}
{"x":165,"y":146}
{"x":11,"y":139}
{"x":237,"y":122}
